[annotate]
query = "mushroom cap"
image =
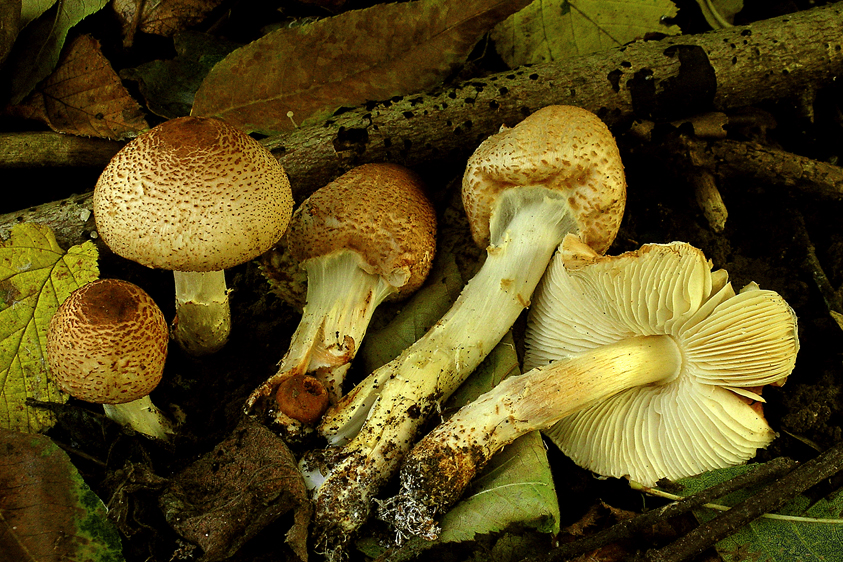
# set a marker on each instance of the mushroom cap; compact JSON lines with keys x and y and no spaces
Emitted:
{"x":709,"y":416}
{"x":192,"y":194}
{"x":562,"y":148}
{"x":380,"y":212}
{"x":107,"y":343}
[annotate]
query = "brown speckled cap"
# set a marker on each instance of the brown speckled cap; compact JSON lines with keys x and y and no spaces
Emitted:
{"x":378,"y":210}
{"x":192,"y":194}
{"x":107,"y":343}
{"x":559,"y":147}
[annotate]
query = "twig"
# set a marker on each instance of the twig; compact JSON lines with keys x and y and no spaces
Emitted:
{"x":627,"y":529}
{"x":767,"y":500}
{"x":777,"y":167}
{"x":720,"y":507}
{"x":831,"y":297}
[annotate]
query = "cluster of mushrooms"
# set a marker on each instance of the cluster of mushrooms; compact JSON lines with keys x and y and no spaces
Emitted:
{"x":646,"y":364}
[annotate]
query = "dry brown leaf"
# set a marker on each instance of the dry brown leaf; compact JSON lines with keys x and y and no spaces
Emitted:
{"x":301,"y":75}
{"x":164,"y":17}
{"x":84,"y":96}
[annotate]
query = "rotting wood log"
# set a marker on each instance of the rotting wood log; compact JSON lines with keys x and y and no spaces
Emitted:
{"x":656,"y":80}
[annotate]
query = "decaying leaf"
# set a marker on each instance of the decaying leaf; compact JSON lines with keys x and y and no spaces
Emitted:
{"x":37,"y":49}
{"x":164,"y":17}
{"x":84,"y":96}
{"x":549,"y":30}
{"x":36,"y":275}
{"x":47,"y":512}
{"x":301,"y":75}
{"x":168,"y":86}
{"x":230,"y":494}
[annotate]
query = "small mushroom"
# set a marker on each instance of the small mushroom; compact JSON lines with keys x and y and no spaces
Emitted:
{"x":368,"y":236}
{"x":557,"y":171}
{"x":650,"y":360}
{"x":197,"y":196}
{"x":107,"y":344}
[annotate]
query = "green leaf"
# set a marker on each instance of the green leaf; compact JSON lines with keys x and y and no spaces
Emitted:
{"x":770,"y":539}
{"x":47,"y":512}
{"x":32,"y":9}
{"x":36,"y":275}
{"x":38,"y":46}
{"x":301,"y":75}
{"x":549,"y":30}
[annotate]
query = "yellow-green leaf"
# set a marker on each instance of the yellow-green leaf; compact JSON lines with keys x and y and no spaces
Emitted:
{"x":36,"y":275}
{"x":549,"y":30}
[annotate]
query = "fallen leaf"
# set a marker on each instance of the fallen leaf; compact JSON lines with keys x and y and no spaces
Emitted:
{"x":230,"y":494}
{"x":36,"y":275}
{"x":168,"y":86}
{"x":30,"y":10}
{"x":84,"y":96}
{"x":301,"y":75}
{"x":47,"y":512}
{"x":549,"y":30}
{"x":164,"y":17}
{"x":37,"y":49}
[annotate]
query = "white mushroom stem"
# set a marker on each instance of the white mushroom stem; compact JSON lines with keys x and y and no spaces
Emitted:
{"x":203,"y":316}
{"x":440,"y":467}
{"x":142,"y":416}
{"x":381,"y":415}
{"x":341,"y":298}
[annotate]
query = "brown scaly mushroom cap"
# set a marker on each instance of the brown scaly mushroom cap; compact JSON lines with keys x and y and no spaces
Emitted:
{"x":558,"y":147}
{"x":192,"y":194}
{"x":107,"y":343}
{"x":379,"y":211}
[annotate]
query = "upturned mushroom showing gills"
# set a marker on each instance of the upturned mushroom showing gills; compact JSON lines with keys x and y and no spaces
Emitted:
{"x":368,"y":236}
{"x":107,"y":344}
{"x":197,"y":196}
{"x":558,"y":171}
{"x":650,"y":360}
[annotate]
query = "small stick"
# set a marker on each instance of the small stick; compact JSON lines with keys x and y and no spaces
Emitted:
{"x":627,"y":529}
{"x":769,"y":499}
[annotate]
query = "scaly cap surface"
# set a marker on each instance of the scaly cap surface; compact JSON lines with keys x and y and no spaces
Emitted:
{"x":107,"y":343}
{"x":379,"y":211}
{"x":562,"y":148}
{"x":192,"y":194}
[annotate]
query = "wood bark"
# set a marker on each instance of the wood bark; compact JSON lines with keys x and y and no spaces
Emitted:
{"x":656,"y":80}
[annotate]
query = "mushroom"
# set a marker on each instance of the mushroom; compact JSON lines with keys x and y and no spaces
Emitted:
{"x":650,"y":360}
{"x":197,"y":196}
{"x":368,"y":236}
{"x":557,"y":171}
{"x":107,"y":344}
